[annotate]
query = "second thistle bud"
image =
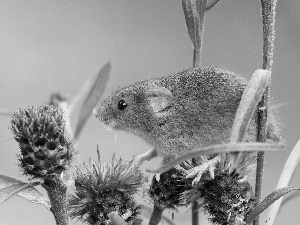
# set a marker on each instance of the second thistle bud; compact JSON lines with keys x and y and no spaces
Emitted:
{"x":167,"y":192}
{"x":45,"y":149}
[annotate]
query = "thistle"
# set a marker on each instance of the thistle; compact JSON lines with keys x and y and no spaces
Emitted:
{"x":227,"y":200}
{"x":45,"y":150}
{"x":167,"y":193}
{"x":101,"y":188}
{"x":227,"y":196}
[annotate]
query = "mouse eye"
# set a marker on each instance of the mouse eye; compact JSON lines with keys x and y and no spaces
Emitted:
{"x":122,"y":105}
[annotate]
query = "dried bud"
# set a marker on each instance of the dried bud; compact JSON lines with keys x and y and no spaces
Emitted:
{"x":167,"y":192}
{"x":227,"y":200}
{"x":45,"y":149}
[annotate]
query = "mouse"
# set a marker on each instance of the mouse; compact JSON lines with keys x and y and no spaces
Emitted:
{"x":178,"y":113}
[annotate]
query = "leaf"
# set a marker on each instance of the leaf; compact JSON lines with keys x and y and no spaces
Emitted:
{"x":217,"y":149}
{"x":194,"y":17}
{"x":31,"y":194}
{"x":284,"y":180}
{"x":194,"y":12}
{"x":270,"y":199}
{"x":116,"y":219}
{"x":249,"y":101}
{"x":211,"y":4}
{"x":93,"y":88}
{"x":9,"y":191}
{"x":6,"y":180}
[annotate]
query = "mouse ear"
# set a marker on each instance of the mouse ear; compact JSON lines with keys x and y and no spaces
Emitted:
{"x":160,"y":99}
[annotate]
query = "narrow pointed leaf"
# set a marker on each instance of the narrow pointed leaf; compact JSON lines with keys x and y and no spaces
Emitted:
{"x":270,"y":199}
{"x":211,"y":4}
{"x":194,"y":12}
{"x":250,"y":98}
{"x":9,"y":191}
{"x":94,"y":89}
{"x":6,"y":181}
{"x":217,"y":149}
{"x":284,"y":180}
{"x":31,"y":194}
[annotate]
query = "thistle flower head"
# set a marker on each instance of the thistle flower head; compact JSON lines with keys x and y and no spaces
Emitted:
{"x":101,"y":188}
{"x":227,"y":196}
{"x":45,"y":149}
{"x":167,"y":192}
{"x":226,"y":199}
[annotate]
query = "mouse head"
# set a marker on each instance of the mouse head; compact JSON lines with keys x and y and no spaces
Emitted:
{"x":137,"y":108}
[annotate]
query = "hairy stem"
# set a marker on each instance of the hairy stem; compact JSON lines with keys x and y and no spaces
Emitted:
{"x":156,"y":215}
{"x":57,"y":190}
{"x":268,"y":16}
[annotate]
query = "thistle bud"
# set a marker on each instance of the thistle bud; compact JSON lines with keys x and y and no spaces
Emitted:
{"x":45,"y":149}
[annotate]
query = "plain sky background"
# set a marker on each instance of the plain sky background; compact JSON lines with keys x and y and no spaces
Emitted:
{"x":50,"y":46}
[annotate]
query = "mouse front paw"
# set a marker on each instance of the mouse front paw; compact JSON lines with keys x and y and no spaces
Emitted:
{"x":146,"y":156}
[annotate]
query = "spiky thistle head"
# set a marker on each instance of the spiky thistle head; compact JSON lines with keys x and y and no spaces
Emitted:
{"x":101,"y":188}
{"x":223,"y":188}
{"x":167,"y":192}
{"x":45,"y":149}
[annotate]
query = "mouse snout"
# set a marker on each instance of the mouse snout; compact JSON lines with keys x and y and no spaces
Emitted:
{"x":105,"y":119}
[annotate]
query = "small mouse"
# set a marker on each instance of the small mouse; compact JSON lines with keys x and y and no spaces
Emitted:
{"x":180,"y":112}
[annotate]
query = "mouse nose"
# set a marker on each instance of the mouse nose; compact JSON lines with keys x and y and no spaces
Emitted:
{"x":105,"y":119}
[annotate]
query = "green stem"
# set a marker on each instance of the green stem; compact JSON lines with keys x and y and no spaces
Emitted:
{"x":268,"y":15}
{"x":156,"y":215}
{"x":57,"y":190}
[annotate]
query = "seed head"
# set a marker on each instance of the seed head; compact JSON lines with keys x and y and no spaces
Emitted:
{"x":45,"y":149}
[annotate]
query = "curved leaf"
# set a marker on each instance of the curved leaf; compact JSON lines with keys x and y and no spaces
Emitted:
{"x":9,"y":191}
{"x":270,"y":199}
{"x":250,"y":98}
{"x":31,"y":194}
{"x":194,"y":12}
{"x":6,"y":181}
{"x":217,"y":149}
{"x":93,"y":88}
{"x":284,"y":180}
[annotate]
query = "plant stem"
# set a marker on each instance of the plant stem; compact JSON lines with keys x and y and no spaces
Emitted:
{"x":156,"y":215}
{"x":57,"y":190}
{"x":268,"y":16}
{"x":197,"y":57}
{"x":195,"y":213}
{"x":201,"y":8}
{"x":197,"y":63}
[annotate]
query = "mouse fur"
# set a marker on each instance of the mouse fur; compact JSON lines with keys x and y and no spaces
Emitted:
{"x":180,"y":112}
